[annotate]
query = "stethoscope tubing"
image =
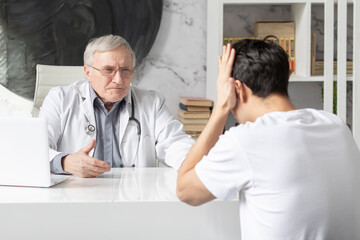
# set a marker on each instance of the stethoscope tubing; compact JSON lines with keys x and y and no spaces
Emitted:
{"x":90,"y":128}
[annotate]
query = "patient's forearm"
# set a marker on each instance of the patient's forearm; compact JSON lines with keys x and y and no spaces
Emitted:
{"x":207,"y":139}
{"x":189,"y":187}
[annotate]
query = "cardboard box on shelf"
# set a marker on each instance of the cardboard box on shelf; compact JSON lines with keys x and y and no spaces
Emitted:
{"x":280,"y":29}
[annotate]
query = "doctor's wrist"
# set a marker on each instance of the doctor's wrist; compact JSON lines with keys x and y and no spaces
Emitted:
{"x":63,"y":162}
{"x":56,"y":163}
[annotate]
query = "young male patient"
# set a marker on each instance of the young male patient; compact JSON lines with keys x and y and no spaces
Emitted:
{"x":296,"y":170}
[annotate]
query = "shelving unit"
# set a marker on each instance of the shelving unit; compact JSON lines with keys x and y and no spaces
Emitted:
{"x":301,"y":14}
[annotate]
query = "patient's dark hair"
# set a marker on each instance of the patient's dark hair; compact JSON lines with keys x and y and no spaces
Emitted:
{"x":261,"y":66}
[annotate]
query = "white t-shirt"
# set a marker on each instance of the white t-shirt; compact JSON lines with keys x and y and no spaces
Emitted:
{"x":296,"y":173}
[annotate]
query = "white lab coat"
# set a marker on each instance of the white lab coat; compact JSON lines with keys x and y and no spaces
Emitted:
{"x":162,"y":138}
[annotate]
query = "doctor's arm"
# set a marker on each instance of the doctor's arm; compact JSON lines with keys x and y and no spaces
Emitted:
{"x":79,"y":163}
{"x":50,"y":110}
{"x":172,"y":144}
{"x":189,"y":187}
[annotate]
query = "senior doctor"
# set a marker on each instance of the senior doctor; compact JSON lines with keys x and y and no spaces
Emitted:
{"x":104,"y":122}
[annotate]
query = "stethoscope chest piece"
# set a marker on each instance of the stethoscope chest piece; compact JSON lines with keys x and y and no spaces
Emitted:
{"x":90,"y":129}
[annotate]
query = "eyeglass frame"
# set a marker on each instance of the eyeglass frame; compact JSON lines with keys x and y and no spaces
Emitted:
{"x":115,"y":71}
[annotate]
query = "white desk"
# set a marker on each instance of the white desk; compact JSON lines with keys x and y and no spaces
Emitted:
{"x":122,"y":204}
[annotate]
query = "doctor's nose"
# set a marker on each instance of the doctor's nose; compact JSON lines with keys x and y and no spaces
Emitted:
{"x":117,"y":78}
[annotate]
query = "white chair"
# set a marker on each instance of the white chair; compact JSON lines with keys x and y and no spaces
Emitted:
{"x":48,"y":76}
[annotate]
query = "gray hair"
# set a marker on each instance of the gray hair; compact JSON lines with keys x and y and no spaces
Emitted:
{"x":106,"y":43}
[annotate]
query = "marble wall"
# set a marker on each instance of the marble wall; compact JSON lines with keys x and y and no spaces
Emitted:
{"x":176,"y":64}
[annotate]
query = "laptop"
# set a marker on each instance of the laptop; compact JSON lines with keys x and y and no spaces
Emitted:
{"x":24,"y":153}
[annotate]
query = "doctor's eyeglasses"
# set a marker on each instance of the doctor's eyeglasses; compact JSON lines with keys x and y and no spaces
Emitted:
{"x":109,"y":71}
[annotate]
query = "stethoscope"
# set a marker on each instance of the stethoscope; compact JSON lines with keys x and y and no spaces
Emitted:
{"x":90,"y":129}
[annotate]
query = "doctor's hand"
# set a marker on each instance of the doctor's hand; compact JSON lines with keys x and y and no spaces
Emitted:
{"x":226,"y":97}
{"x":82,"y":165}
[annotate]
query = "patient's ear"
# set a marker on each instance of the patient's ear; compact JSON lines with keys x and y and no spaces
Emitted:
{"x":237,"y":86}
{"x":241,"y":92}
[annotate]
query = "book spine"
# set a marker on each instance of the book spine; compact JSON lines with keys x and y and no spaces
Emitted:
{"x":183,"y":106}
{"x":313,"y":54}
{"x":282,"y":43}
{"x":287,"y":46}
{"x":292,"y":55}
{"x":196,"y":127}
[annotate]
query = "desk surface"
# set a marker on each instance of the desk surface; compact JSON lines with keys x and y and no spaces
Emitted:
{"x":138,"y":203}
{"x":118,"y":185}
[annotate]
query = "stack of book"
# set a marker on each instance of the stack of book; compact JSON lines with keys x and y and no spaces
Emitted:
{"x":194,"y":113}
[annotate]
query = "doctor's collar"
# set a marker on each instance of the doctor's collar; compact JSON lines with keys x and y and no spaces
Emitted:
{"x":127,"y":98}
{"x":93,"y":94}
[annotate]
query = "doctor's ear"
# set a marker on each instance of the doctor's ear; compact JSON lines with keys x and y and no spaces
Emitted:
{"x":87,"y":71}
